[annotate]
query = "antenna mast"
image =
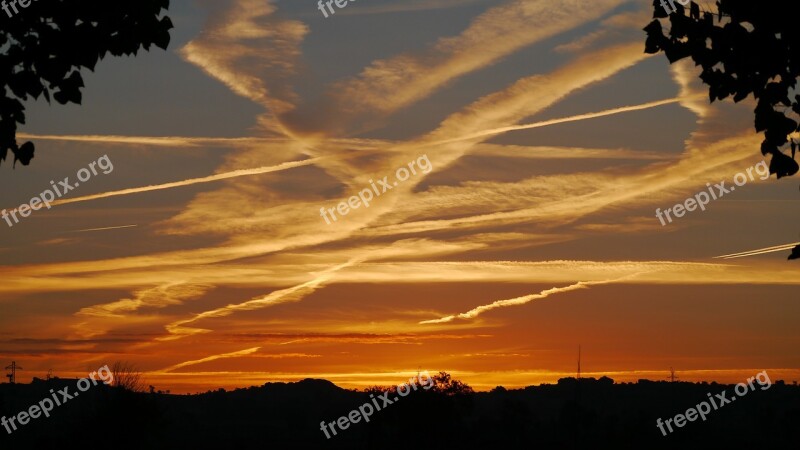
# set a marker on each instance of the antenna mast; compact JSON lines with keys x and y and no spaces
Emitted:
{"x":12,"y":377}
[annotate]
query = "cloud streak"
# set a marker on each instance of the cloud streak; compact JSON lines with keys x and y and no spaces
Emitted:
{"x":518,"y":301}
{"x":237,"y":354}
{"x":575,"y":118}
{"x":179,"y":329}
{"x":760,"y":251}
{"x":103,"y":228}
{"x":192,"y":181}
{"x":253,"y":52}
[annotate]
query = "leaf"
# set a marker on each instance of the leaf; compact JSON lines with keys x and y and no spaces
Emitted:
{"x":659,"y":12}
{"x":767,"y":148}
{"x":162,"y":38}
{"x":24,"y":154}
{"x":782,"y":165}
{"x":779,"y":128}
{"x":795,"y":253}
{"x":655,"y":37}
{"x":70,"y":89}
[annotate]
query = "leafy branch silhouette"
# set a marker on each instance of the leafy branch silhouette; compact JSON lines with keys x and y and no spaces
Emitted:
{"x":46,"y":45}
{"x":744,"y":48}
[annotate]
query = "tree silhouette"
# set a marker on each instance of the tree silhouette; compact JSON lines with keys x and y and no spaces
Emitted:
{"x":444,"y":383}
{"x":127,"y":377}
{"x":46,"y":44}
{"x":744,"y":47}
{"x":377,"y":390}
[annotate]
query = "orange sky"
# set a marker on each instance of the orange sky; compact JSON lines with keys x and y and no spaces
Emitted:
{"x":544,"y":141}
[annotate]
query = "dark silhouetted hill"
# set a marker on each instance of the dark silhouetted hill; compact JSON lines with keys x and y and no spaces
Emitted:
{"x":573,"y":414}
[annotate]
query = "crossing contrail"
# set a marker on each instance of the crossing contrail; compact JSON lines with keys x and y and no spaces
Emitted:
{"x":191,"y":181}
{"x":290,"y":165}
{"x":579,"y":117}
{"x":165,"y":141}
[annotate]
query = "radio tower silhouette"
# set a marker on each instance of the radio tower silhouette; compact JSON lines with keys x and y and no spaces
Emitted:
{"x":12,"y":377}
{"x":579,"y":361}
{"x":672,"y":376}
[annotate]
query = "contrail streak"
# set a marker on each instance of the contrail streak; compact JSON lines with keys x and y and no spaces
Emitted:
{"x":579,"y":117}
{"x":191,"y":181}
{"x":245,"y":352}
{"x":191,"y":141}
{"x":475,"y":312}
{"x":179,"y":329}
{"x":166,"y":141}
{"x":103,"y":229}
{"x":760,"y":251}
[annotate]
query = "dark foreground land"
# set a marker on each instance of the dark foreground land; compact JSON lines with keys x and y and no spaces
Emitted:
{"x":570,"y":415}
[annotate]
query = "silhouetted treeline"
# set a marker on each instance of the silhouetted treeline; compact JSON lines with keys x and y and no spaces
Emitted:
{"x":569,"y":415}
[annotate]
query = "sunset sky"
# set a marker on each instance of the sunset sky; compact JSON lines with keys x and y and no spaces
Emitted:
{"x":203,"y":257}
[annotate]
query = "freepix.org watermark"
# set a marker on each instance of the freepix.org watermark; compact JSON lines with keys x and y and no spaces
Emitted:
{"x":671,"y":7}
{"x":58,"y":190}
{"x":13,"y":4}
{"x":366,"y":410}
{"x":715,"y":192}
{"x":702,"y":409}
{"x":365,"y":196}
{"x":339,"y":4}
{"x":47,"y":405}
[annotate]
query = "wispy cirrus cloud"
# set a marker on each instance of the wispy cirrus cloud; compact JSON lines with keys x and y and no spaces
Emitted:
{"x":408,"y":6}
{"x":389,"y":85}
{"x":253,"y":52}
